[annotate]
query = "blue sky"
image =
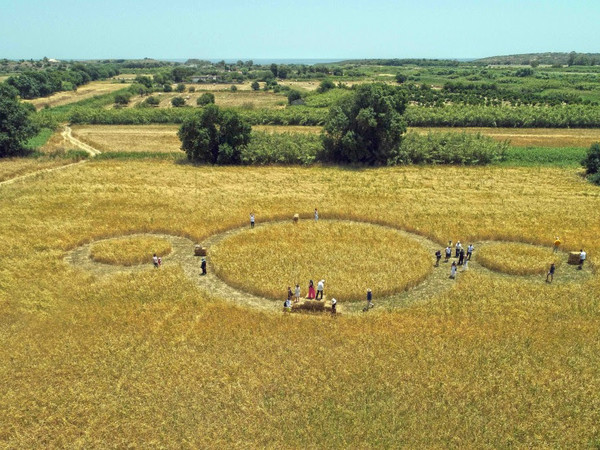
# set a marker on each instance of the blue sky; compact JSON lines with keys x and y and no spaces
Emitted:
{"x":236,"y":29}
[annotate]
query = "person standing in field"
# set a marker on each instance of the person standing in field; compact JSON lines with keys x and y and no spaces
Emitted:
{"x":550,"y":275}
{"x":297,"y":293}
{"x":316,"y":215}
{"x":453,"y":270}
{"x":369,"y":300}
{"x":582,"y":258}
{"x":556,"y":244}
{"x":251,"y":220}
{"x":448,"y":253}
{"x":290,"y":295}
{"x":458,"y":248}
{"x":438,"y":256}
{"x":311,"y":290}
{"x":333,"y":306}
{"x":320,"y":288}
{"x":155,"y":261}
{"x":203,"y":266}
{"x":461,"y":257}
{"x":470,"y":249}
{"x":466,"y":264}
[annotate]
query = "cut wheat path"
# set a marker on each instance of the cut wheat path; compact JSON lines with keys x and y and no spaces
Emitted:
{"x":182,"y":254}
{"x":67,"y":137}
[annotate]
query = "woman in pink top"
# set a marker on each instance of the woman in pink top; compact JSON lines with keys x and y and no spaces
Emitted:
{"x":311,"y":290}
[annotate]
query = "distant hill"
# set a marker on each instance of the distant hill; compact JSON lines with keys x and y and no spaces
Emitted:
{"x":550,"y":58}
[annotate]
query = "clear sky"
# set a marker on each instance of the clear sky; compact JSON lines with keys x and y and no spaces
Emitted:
{"x":252,"y":29}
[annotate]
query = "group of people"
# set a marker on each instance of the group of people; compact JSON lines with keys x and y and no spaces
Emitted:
{"x":463,"y":255}
{"x":312,"y":293}
{"x":552,"y":269}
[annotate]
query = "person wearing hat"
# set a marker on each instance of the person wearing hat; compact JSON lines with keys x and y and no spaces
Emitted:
{"x":203,"y":266}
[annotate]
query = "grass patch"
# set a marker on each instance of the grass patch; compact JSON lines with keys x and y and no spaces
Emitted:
{"x":544,"y":156}
{"x":40,"y":139}
{"x":517,"y":259}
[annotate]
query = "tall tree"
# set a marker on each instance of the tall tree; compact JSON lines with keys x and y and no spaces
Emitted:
{"x":366,"y":127}
{"x":16,"y":126}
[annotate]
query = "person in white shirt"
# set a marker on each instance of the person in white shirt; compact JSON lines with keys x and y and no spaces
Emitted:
{"x":458,"y":248}
{"x":453,"y":270}
{"x":448,"y":253}
{"x":251,"y":220}
{"x":155,"y":261}
{"x":297,"y":293}
{"x":316,"y":215}
{"x":320,"y":287}
{"x":582,"y":257}
{"x":470,"y":249}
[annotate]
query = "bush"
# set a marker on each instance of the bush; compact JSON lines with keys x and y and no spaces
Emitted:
{"x":325,"y":86}
{"x":206,"y":99}
{"x":180,"y":87}
{"x":448,"y":148}
{"x":122,"y":99}
{"x":177,"y":102}
{"x":167,"y":88}
{"x":255,"y":86}
{"x":293,"y":95}
{"x":591,"y":162}
{"x":152,"y":101}
{"x":233,"y":88}
{"x":191,"y":89}
{"x":282,"y":148}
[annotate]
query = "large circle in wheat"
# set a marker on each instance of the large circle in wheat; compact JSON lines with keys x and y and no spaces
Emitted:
{"x":350,"y":256}
{"x":516,"y":258}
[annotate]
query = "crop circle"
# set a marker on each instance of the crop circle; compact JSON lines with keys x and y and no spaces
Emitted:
{"x":516,"y":258}
{"x":350,"y":256}
{"x":129,"y":251}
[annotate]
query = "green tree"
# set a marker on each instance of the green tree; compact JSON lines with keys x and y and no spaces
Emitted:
{"x":233,"y":88}
{"x":365,"y":127}
{"x":205,"y":99}
{"x":591,"y":162}
{"x":293,"y":95}
{"x":180,"y":87}
{"x":255,"y":86}
{"x":123,"y":98}
{"x":146,"y":81}
{"x":177,"y":102}
{"x":167,"y":87}
{"x":326,"y":85}
{"x":16,"y":126}
{"x":214,"y":136}
{"x":400,"y":78}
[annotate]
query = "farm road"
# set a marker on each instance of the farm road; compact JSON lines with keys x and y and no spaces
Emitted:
{"x":67,"y":135}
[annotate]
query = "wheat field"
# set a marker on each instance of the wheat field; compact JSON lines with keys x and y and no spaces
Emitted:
{"x":147,"y":359}
{"x":84,"y":92}
{"x":530,"y":137}
{"x":130,"y":138}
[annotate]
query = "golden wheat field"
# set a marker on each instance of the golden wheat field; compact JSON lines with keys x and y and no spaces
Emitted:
{"x":223,"y":98}
{"x":129,"y":251}
{"x":149,"y":359}
{"x":530,"y":137}
{"x":130,"y":138}
{"x":351,"y":257}
{"x":84,"y":92}
{"x":16,"y":167}
{"x":518,"y":259}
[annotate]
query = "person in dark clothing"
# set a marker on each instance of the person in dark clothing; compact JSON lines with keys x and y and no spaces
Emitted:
{"x":203,"y":266}
{"x":461,"y":257}
{"x":550,"y":276}
{"x":438,"y":256}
